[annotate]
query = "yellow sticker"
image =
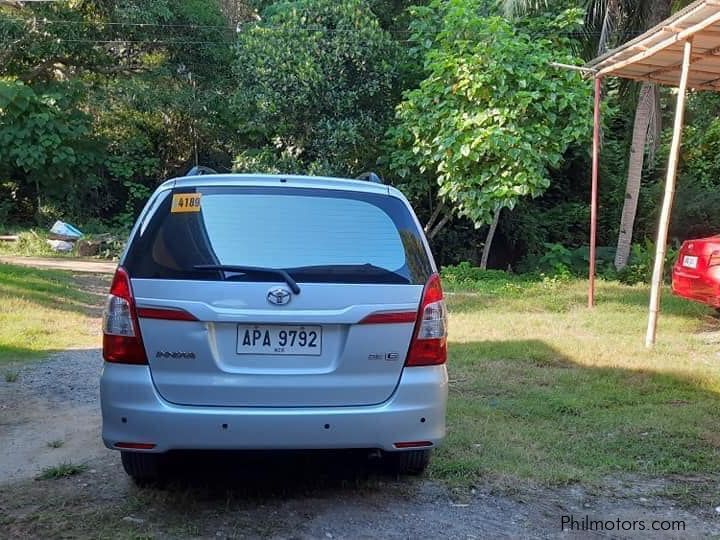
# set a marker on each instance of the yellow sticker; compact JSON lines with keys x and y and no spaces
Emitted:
{"x":185,"y":202}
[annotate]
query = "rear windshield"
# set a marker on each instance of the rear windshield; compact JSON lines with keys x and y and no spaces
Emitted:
{"x":320,"y":236}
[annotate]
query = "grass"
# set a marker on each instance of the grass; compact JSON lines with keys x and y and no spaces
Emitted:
{"x":61,"y":471}
{"x":541,"y":387}
{"x":43,"y":311}
{"x":31,"y":243}
{"x":544,"y":389}
{"x":34,"y":243}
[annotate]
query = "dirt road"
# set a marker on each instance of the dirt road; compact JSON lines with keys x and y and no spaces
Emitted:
{"x":90,"y":266}
{"x":55,"y":403}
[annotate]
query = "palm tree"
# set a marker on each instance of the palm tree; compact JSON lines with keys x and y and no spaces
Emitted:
{"x":647,"y":117}
{"x":612,"y":22}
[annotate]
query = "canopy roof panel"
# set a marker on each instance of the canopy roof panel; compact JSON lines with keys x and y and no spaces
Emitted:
{"x":656,"y":55}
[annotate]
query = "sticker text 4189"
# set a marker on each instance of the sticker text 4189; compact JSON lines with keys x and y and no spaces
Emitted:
{"x":185,"y":202}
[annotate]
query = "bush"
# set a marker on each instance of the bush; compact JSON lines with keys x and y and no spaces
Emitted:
{"x":29,"y":244}
{"x":642,"y":260}
{"x":33,"y":243}
{"x":467,"y":273}
{"x":560,"y":261}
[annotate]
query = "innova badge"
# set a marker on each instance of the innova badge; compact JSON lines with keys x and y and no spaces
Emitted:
{"x":279,"y":296}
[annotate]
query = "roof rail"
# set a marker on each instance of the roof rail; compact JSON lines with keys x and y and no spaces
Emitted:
{"x":199,"y":170}
{"x":370,"y":177}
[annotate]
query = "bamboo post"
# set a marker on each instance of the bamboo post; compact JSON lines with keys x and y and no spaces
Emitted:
{"x":594,"y":195}
{"x":668,"y":199}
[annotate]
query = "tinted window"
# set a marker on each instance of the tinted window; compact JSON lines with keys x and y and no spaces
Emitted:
{"x":316,"y":235}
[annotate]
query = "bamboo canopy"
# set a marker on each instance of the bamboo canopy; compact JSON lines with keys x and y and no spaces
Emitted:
{"x":656,"y":56}
{"x":681,"y":51}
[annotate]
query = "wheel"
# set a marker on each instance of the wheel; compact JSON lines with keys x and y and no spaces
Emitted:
{"x":143,"y":468}
{"x":409,"y":462}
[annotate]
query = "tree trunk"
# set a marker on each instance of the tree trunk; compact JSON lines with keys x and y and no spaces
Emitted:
{"x":38,"y":194}
{"x":645,"y":108}
{"x":644,"y":111}
{"x":438,"y":227}
{"x":489,"y":239}
{"x":434,"y":216}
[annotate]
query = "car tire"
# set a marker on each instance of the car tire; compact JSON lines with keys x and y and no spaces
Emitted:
{"x":412,"y":462}
{"x":143,"y":468}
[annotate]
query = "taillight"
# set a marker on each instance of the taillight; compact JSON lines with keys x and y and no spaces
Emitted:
{"x":122,"y":342}
{"x":714,"y":259}
{"x":429,"y":343}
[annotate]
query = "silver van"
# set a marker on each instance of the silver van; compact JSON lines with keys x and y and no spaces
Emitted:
{"x":274,"y":312}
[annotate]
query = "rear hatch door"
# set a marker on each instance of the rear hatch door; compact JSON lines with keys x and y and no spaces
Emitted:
{"x":358,"y":259}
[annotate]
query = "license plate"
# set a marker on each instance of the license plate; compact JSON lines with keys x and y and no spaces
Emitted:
{"x":690,"y":261}
{"x":274,"y":339}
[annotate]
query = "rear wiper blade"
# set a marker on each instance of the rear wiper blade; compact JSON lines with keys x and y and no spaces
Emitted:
{"x":241,"y":269}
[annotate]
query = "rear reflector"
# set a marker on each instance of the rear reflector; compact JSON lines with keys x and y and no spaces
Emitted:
{"x":167,"y":314}
{"x":135,"y":445}
{"x":390,"y":318}
{"x":412,"y":444}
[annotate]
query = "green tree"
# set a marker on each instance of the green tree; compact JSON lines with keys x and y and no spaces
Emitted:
{"x":492,"y":115}
{"x":611,"y":23}
{"x":317,"y":81}
{"x":46,"y":146}
{"x":150,"y":79}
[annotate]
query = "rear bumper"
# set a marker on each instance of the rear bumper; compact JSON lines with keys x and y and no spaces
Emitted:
{"x":700,"y":288}
{"x":133,"y":412}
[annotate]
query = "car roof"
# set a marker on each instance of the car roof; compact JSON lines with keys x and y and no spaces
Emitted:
{"x":285,"y":180}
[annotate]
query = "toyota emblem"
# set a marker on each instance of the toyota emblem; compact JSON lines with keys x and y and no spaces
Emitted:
{"x":279,"y":296}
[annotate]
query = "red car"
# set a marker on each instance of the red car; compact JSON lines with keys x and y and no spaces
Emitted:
{"x":696,"y":274}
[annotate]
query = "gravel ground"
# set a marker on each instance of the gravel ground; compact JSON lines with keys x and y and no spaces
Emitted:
{"x":67,"y":378}
{"x":271,"y":496}
{"x":52,"y":403}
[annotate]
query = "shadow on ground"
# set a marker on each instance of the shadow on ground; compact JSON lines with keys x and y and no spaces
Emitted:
{"x":274,"y":474}
{"x":521,"y":408}
{"x":56,"y":289}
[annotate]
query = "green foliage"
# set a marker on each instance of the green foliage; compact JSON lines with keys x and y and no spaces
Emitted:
{"x":34,"y":243}
{"x":46,"y":143}
{"x":492,"y":115}
{"x":101,"y":101}
{"x":63,"y":470}
{"x":316,"y":83}
{"x":267,"y":160}
{"x":29,"y":244}
{"x":695,"y":213}
{"x":701,"y":153}
{"x":642,"y":261}
{"x":92,"y":128}
{"x":465,"y":272}
{"x":559,"y":260}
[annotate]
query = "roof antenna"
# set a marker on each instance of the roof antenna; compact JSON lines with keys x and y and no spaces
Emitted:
{"x":370,"y":177}
{"x":199,"y":170}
